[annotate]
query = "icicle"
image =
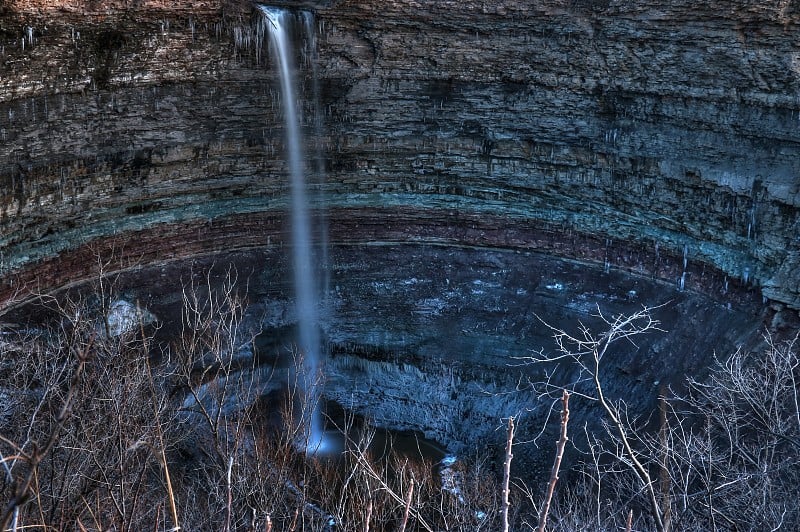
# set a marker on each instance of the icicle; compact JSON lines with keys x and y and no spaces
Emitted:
{"x":28,"y":36}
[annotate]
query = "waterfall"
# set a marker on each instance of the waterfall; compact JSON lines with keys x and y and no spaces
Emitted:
{"x":305,"y":282}
{"x":319,"y":161}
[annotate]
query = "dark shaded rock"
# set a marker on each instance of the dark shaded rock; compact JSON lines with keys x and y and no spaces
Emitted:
{"x":435,"y":338}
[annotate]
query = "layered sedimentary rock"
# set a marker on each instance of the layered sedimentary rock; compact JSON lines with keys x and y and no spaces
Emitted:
{"x":485,"y":163}
{"x":661,"y":137}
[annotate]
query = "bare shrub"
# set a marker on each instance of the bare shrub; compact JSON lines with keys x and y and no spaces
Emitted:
{"x":107,"y":429}
{"x":103,"y":428}
{"x":101,"y":469}
{"x":589,"y":351}
{"x":726,"y":454}
{"x":733,"y":443}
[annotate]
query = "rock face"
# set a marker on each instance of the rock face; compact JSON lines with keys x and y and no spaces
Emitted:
{"x":485,"y":163}
{"x":661,"y":137}
{"x":439,"y":339}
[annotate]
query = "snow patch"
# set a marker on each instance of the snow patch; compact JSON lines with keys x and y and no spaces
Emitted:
{"x":449,"y":460}
{"x":125,"y":317}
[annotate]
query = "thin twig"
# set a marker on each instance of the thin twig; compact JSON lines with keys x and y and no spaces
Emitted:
{"x":560,"y":444}
{"x":21,"y":496}
{"x":369,"y":515}
{"x":407,"y":510}
{"x":162,"y":455}
{"x":367,"y":468}
{"x":507,"y":472}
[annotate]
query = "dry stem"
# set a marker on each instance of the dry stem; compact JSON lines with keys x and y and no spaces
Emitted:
{"x":560,"y":444}
{"x":507,"y":472}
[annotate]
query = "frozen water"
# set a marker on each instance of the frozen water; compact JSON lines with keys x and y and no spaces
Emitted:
{"x":125,"y":317}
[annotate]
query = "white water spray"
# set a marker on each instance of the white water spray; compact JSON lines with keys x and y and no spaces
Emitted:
{"x":306,"y":295}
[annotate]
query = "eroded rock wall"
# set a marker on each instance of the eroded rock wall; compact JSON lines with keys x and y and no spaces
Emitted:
{"x":661,"y":137}
{"x":668,"y":124}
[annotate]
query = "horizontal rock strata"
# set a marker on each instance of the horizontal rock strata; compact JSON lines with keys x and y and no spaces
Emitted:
{"x":667,"y":129}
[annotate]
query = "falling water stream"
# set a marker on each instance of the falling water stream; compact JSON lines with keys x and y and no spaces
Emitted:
{"x":319,"y":162}
{"x":305,"y":282}
{"x":303,"y":165}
